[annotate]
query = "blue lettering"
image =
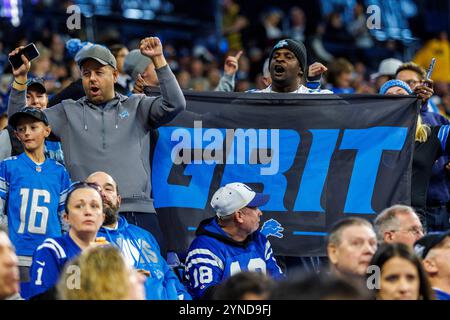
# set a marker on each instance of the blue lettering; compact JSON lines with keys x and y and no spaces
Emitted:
{"x":370,"y":144}
{"x":275,"y":183}
{"x":195,"y":195}
{"x":316,"y":170}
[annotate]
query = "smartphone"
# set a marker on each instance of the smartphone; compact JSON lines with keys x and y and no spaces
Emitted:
{"x":30,"y":52}
{"x":430,"y":68}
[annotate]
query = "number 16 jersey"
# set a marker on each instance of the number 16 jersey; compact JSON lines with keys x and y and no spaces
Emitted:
{"x":32,"y":196}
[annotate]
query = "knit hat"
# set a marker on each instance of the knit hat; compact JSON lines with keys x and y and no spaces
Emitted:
{"x":395,"y":83}
{"x":235,"y":196}
{"x":73,"y":46}
{"x":135,"y":62}
{"x":297,"y":48}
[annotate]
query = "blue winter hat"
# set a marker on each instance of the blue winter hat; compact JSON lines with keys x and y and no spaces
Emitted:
{"x":73,"y":46}
{"x":395,"y":83}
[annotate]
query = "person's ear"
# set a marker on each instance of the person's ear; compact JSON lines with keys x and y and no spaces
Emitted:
{"x":47,"y":131}
{"x":115,"y":75}
{"x":239,"y":216}
{"x":333,"y":254}
{"x":388,"y":236}
{"x":119,"y":200}
{"x":430,"y":266}
{"x":66,"y":217}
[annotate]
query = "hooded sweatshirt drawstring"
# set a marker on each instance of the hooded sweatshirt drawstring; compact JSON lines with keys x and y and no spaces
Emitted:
{"x":117,"y":117}
{"x":116,"y":120}
{"x":84,"y":117}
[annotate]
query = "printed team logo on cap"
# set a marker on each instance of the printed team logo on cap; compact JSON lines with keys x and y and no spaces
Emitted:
{"x":281,"y":44}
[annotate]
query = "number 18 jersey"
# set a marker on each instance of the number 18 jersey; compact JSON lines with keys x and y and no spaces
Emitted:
{"x":32,"y":196}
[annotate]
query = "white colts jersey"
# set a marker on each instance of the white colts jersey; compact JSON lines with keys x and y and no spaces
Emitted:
{"x":301,"y":89}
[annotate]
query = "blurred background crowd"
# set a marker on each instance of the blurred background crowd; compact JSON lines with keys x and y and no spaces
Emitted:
{"x":350,"y":37}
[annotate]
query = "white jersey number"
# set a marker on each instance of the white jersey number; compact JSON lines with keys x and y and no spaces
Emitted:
{"x":255,"y":264}
{"x":34,"y":211}
{"x":202,"y":275}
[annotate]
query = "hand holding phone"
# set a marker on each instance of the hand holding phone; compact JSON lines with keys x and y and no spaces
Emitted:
{"x":431,"y":68}
{"x":30,"y":52}
{"x":428,"y":82}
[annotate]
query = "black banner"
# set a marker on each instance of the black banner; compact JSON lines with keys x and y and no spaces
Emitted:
{"x":320,"y":157}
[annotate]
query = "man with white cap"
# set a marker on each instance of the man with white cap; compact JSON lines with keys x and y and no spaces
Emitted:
{"x":386,"y":71}
{"x":230,"y":242}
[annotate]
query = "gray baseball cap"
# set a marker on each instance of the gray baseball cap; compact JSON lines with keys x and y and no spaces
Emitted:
{"x":28,"y":112}
{"x":37,"y":83}
{"x":135,"y":63}
{"x":98,"y":53}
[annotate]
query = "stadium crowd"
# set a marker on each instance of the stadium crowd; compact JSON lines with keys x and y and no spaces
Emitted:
{"x":65,"y":205}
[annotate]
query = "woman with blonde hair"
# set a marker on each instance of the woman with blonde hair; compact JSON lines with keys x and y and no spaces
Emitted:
{"x":100,"y":273}
{"x":431,"y":142}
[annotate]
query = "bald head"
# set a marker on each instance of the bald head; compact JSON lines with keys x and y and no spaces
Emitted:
{"x":103,"y":180}
{"x":110,"y":195}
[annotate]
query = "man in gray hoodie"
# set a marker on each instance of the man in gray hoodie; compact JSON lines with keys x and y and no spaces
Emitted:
{"x":107,"y":131}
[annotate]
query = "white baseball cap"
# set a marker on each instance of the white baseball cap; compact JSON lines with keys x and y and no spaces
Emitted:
{"x":235,"y":196}
{"x":387,"y":67}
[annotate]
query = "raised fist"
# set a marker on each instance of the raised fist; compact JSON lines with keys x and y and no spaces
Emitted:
{"x":151,"y":47}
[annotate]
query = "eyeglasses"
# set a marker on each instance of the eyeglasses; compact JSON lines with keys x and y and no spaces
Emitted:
{"x":413,"y":83}
{"x":415,"y":231}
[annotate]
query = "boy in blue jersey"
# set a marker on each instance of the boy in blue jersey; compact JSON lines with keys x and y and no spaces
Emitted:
{"x":32,"y":188}
{"x":434,"y":249}
{"x":230,"y":242}
{"x":137,"y":245}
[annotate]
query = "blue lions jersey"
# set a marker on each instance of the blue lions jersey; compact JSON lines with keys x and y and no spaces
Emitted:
{"x":213,"y":256}
{"x":32,"y":197}
{"x":141,"y":250}
{"x":54,"y":151}
{"x":48,"y":262}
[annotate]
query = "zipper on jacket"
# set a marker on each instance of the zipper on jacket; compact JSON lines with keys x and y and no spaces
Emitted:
{"x":103,"y":129}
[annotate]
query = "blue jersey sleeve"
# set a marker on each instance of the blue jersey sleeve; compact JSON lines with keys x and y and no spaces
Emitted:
{"x":65,"y":185}
{"x":204,"y":267}
{"x":443,"y":139}
{"x":64,"y":190}
{"x":175,"y":289}
{"x":272,"y":266}
{"x":45,"y":269}
{"x":4,"y":189}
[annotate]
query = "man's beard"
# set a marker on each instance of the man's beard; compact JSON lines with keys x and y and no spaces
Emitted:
{"x":111,"y":213}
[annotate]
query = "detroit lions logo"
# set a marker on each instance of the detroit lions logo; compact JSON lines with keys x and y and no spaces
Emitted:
{"x":272,"y":228}
{"x":281,"y":44}
{"x":124,"y":114}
